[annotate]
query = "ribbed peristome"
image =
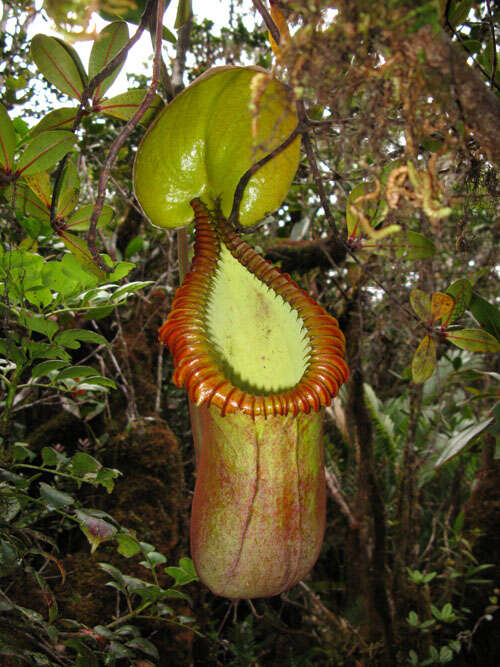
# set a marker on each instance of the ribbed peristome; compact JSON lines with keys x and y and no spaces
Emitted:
{"x":196,"y":365}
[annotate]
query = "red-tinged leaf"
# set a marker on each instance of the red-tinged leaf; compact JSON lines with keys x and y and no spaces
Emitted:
{"x":421,"y":304}
{"x":7,"y":140}
{"x":59,"y":119}
{"x":107,"y":44}
{"x":44,"y":151}
{"x":474,"y":340}
{"x":67,"y":197}
{"x":125,"y":105}
{"x":95,"y":529}
{"x":424,"y":360}
{"x":419,"y":247}
{"x":461,"y":291}
{"x":60,"y":64}
{"x":27,"y":203}
{"x":441,"y":306}
{"x":39,"y":184}
{"x":79,"y":248}
{"x":80,"y":220}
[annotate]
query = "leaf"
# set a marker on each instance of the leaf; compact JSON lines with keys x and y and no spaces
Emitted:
{"x":419,"y":247}
{"x":80,"y":249}
{"x":82,"y":463}
{"x":125,"y":105}
{"x":460,"y":442}
{"x":145,"y":646}
{"x":106,"y":45}
{"x":46,"y":367}
{"x":59,"y":119}
{"x":424,"y":360}
{"x":38,"y":323}
{"x":183,"y":574}
{"x":282,"y":26}
{"x":44,"y":151}
{"x":127,"y":545}
{"x":184,"y":11}
{"x":39,"y":184}
{"x":67,"y":197}
{"x":74,"y":372}
{"x":60,"y":64}
{"x":54,"y":497}
{"x":461,"y":291}
{"x":7,"y":140}
{"x":441,"y":306}
{"x":80,"y":220}
{"x":73,"y":337}
{"x":421,"y":304}
{"x":486,"y":314}
{"x":95,"y":529}
{"x":475,"y":340}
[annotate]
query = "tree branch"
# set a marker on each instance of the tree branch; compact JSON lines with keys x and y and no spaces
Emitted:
{"x":478,"y":103}
{"x":120,"y":140}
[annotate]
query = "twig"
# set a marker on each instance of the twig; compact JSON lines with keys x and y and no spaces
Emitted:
{"x":120,"y":140}
{"x":270,"y":24}
{"x":333,"y":486}
{"x":243,"y":182}
{"x":86,"y":94}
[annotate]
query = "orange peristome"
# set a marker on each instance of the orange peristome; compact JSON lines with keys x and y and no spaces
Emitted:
{"x":196,"y":365}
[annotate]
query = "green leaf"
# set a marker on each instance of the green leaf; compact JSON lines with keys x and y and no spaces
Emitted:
{"x":424,"y":360}
{"x":421,"y":304}
{"x":419,"y":247}
{"x":125,"y":105}
{"x":183,"y":574}
{"x":50,"y":456}
{"x":45,"y":150}
{"x":106,"y":45}
{"x":7,"y":140}
{"x":73,"y":337}
{"x":82,"y":463}
{"x":130,"y":287}
{"x":93,"y":383}
{"x":80,"y":220}
{"x":460,"y":442}
{"x":130,"y":11}
{"x":59,"y":119}
{"x":145,"y":646}
{"x":28,"y":204}
{"x":46,"y":367}
{"x":134,"y":246}
{"x":38,"y":323}
{"x":60,"y":64}
{"x":80,"y":249}
{"x":127,"y":545}
{"x":73,"y":372}
{"x":67,"y":197}
{"x":486,"y":314}
{"x":121,"y":270}
{"x":184,"y":11}
{"x":458,"y":11}
{"x":475,"y":340}
{"x":461,"y":291}
{"x":54,"y":497}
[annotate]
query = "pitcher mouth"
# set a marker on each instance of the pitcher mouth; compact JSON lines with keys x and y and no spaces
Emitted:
{"x":244,"y":337}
